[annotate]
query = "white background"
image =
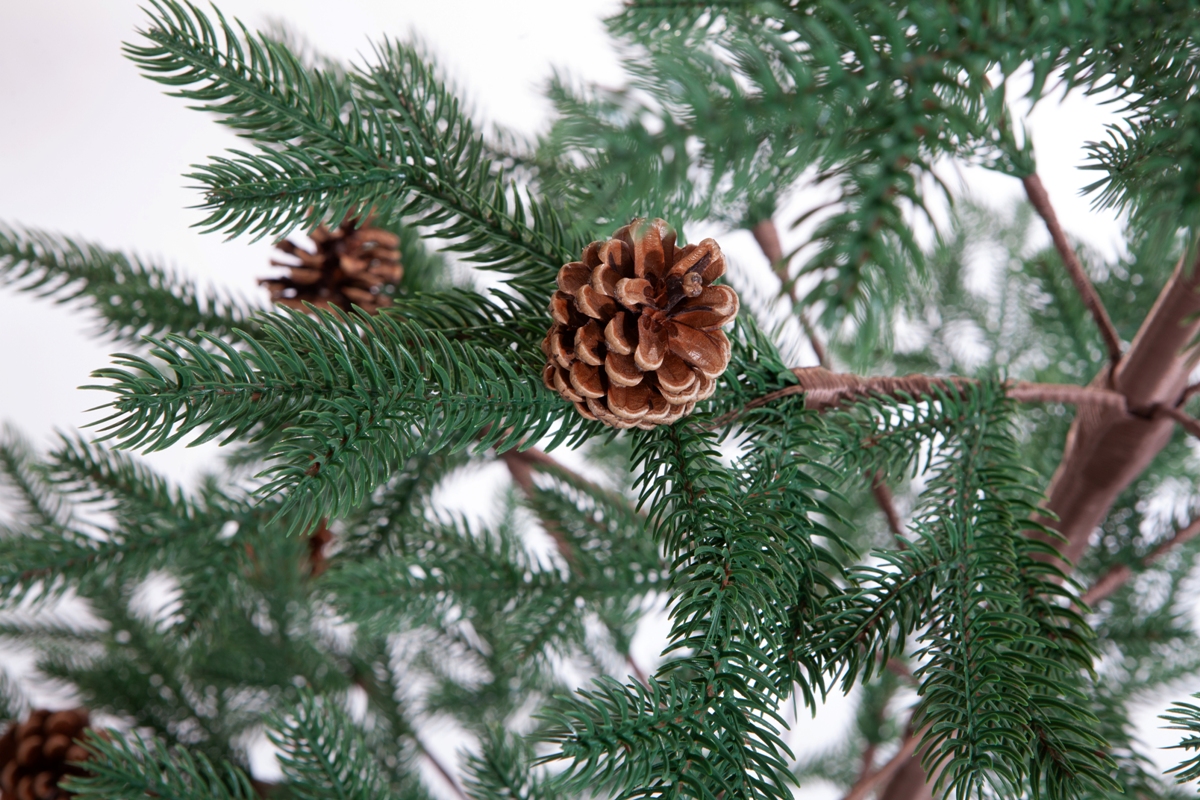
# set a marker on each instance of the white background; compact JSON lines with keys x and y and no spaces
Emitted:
{"x":91,"y":149}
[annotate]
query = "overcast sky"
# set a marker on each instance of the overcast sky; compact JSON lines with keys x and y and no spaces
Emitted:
{"x":90,"y":148}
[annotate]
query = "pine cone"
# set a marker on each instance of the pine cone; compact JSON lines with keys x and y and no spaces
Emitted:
{"x":637,"y":334}
{"x":34,"y":754}
{"x":351,"y":266}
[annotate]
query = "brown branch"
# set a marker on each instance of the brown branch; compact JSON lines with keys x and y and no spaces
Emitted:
{"x":883,"y":499}
{"x":767,"y":236}
{"x":1189,"y":424}
{"x":440,"y":767}
{"x":520,"y":467}
{"x":1116,"y":577}
{"x":1188,"y":392}
{"x":870,"y":782}
{"x":1083,"y":284}
{"x":637,"y":671}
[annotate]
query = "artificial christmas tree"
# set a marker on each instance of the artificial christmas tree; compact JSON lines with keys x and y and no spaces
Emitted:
{"x":974,"y":551}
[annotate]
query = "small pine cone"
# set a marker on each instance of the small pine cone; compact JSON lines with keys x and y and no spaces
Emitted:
{"x":637,"y":337}
{"x":35,"y":754}
{"x":350,"y":266}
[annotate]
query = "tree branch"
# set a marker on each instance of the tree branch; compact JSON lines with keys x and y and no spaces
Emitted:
{"x":440,"y":767}
{"x":1083,"y":284}
{"x":521,"y":469}
{"x":823,"y":390}
{"x":870,"y":782}
{"x":767,"y":236}
{"x":883,"y":498}
{"x":1116,"y":577}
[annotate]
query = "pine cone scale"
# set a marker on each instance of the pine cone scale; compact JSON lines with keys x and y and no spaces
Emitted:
{"x":351,"y":266}
{"x":36,"y":754}
{"x":637,"y":337}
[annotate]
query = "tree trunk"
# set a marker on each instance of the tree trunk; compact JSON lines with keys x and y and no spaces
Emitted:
{"x":1107,"y":449}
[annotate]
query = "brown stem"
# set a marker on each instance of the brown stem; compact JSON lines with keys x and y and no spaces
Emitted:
{"x":1116,"y":577}
{"x":520,"y":467}
{"x":318,"y":540}
{"x":637,"y":671}
{"x":767,"y":236}
{"x":900,"y":670}
{"x":1189,"y":424}
{"x":440,"y":767}
{"x":1083,"y":284}
{"x":869,"y":783}
{"x":883,"y":499}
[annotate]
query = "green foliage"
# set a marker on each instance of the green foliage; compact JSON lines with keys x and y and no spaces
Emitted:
{"x":131,"y":297}
{"x":396,"y":140}
{"x":503,"y":771}
{"x":325,"y":754}
{"x":131,"y":768}
{"x":1185,"y":717}
{"x":996,"y":647}
{"x":348,"y":409}
{"x":337,"y":575}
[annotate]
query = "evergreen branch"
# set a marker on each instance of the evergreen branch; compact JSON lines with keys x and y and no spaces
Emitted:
{"x":38,"y":506}
{"x":13,"y":702}
{"x":348,"y":409}
{"x":737,"y":550}
{"x":1185,"y":717}
{"x":323,"y":753}
{"x":1041,"y":202}
{"x":133,"y":298}
{"x":503,"y":771}
{"x":996,"y":648}
{"x":637,"y":741}
{"x":399,"y":143}
{"x":823,"y":390}
{"x":152,"y":524}
{"x":133,"y":768}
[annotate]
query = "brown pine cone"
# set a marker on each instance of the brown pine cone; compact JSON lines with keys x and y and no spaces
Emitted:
{"x":34,"y":754}
{"x":637,"y":337}
{"x":350,"y":266}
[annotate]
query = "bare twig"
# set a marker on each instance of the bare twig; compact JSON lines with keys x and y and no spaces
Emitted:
{"x":440,"y":767}
{"x":870,"y":782}
{"x":1116,"y":577}
{"x":1188,"y":423}
{"x":520,"y":467}
{"x":883,"y":498}
{"x":767,"y":236}
{"x":1083,"y":284}
{"x":637,"y":671}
